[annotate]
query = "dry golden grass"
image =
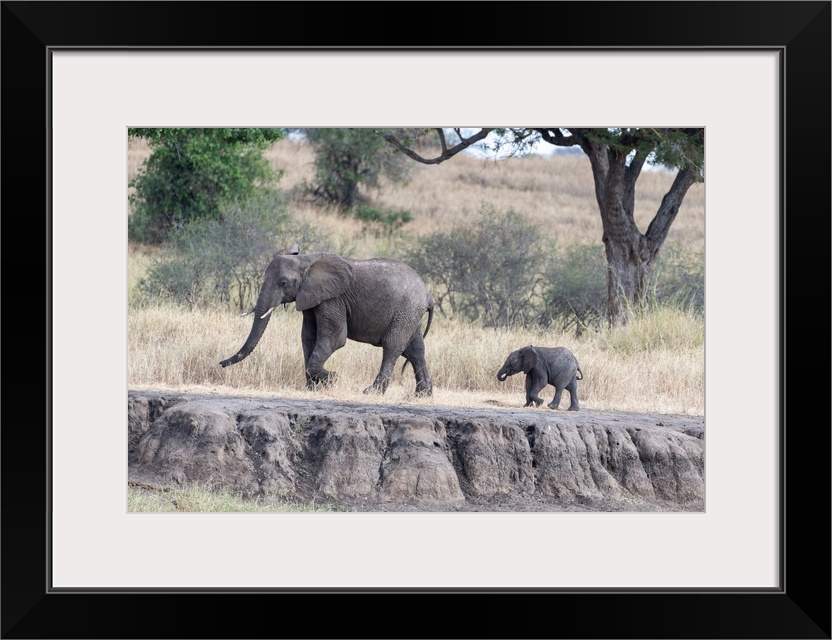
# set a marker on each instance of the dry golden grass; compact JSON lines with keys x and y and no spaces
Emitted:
{"x":655,"y":364}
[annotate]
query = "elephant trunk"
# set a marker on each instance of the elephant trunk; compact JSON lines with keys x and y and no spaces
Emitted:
{"x":502,"y":374}
{"x":262,"y":315}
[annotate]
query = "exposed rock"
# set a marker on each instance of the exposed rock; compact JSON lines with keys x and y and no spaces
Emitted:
{"x":421,"y":458}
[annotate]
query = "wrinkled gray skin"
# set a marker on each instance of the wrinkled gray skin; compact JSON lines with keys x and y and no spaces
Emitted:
{"x":379,"y":302}
{"x":545,"y":365}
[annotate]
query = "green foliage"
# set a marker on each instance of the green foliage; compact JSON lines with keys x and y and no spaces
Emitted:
{"x":192,"y":174}
{"x":221,"y":260}
{"x":497,"y":272}
{"x":678,"y":279}
{"x":671,"y":147}
{"x":675,"y":148}
{"x":346,"y":159}
{"x":574,"y":293}
{"x":486,"y":271}
{"x":381,"y":223}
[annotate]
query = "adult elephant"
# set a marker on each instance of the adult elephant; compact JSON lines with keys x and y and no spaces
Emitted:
{"x":378,"y":301}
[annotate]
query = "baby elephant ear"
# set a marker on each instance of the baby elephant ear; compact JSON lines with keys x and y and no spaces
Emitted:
{"x":327,"y":277}
{"x":529,"y":359}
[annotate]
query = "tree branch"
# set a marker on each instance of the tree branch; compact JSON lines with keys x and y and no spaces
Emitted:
{"x":634,"y":170}
{"x":447,"y":152}
{"x":660,"y":225}
{"x":555,"y":136}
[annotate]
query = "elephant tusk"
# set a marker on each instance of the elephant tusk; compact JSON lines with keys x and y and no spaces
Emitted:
{"x":267,"y":313}
{"x":243,"y":315}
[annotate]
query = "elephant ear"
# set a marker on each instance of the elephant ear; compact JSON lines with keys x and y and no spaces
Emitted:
{"x":327,"y":277}
{"x":529,"y":359}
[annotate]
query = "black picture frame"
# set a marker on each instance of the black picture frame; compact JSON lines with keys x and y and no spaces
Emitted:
{"x":799,"y":608}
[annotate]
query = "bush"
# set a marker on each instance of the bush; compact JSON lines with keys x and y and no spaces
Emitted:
{"x":575,"y":290}
{"x":486,"y":271}
{"x":497,"y":272}
{"x":212,"y":261}
{"x":193,"y":174}
{"x":574,"y":293}
{"x":381,"y":223}
{"x":678,"y":279}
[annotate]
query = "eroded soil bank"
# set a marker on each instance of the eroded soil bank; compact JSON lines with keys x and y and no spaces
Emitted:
{"x":418,"y":458}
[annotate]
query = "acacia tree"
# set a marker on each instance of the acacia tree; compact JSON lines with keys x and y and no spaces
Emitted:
{"x":617,"y":157}
{"x":346,"y":158}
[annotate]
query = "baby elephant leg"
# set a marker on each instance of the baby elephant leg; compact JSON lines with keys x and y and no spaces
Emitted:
{"x":555,"y":403}
{"x":534,"y":384}
{"x":572,"y":388}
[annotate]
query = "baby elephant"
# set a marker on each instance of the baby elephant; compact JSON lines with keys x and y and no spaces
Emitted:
{"x":545,"y":365}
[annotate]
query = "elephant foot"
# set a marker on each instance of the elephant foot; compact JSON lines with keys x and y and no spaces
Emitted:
{"x":424,"y":388}
{"x":377,"y":388}
{"x":573,"y":408}
{"x":320,"y":381}
{"x":552,"y":406}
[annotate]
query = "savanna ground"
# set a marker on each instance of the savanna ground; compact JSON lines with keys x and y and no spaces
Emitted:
{"x":655,"y":364}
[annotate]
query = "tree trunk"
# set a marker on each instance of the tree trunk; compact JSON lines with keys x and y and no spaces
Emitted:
{"x":630,"y":253}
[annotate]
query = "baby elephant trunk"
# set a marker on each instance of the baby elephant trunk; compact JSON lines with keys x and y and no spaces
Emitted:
{"x":502,"y":374}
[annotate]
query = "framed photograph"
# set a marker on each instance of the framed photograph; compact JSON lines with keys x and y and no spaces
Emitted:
{"x":754,"y":75}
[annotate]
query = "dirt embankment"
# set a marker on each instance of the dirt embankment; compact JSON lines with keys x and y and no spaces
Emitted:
{"x":418,"y":458}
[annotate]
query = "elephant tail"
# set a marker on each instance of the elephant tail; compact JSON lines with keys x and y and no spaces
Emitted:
{"x":430,"y":316}
{"x":424,"y":335}
{"x":581,"y":372}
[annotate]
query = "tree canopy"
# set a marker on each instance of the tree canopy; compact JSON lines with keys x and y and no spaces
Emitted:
{"x":193,"y":173}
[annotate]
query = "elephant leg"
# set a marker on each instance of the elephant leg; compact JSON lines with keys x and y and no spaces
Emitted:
{"x":572,"y":388}
{"x":534,"y":385}
{"x":308,"y":336}
{"x":330,"y":335}
{"x":555,"y":403}
{"x":382,"y":381}
{"x":414,"y":352}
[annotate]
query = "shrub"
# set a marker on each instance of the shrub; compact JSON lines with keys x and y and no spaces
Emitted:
{"x":486,"y":271}
{"x":574,"y":293}
{"x":575,"y":289}
{"x":496,"y":272}
{"x":212,"y":261}
{"x":381,"y":223}
{"x":678,"y":279}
